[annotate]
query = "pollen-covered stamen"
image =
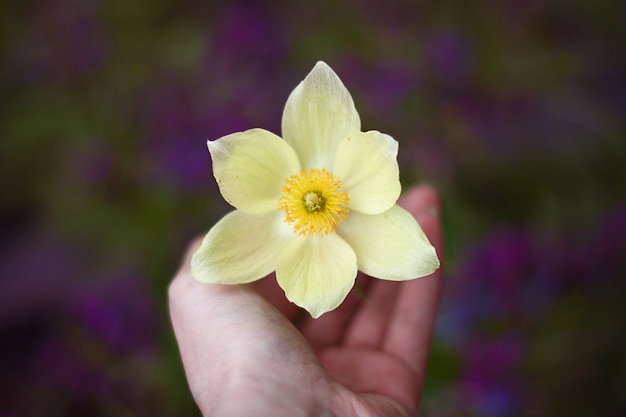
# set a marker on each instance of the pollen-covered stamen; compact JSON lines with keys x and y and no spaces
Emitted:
{"x":314,"y":202}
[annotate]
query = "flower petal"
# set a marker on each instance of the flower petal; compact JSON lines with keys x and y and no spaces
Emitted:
{"x":317,"y":273}
{"x":230,"y":255}
{"x":318,"y":114}
{"x":250,"y":167}
{"x":368,"y":168}
{"x":390,"y":245}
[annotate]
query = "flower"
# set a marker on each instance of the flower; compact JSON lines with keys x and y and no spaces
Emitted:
{"x":314,"y":206}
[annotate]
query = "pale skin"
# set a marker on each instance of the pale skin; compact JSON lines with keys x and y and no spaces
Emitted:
{"x":244,"y":356}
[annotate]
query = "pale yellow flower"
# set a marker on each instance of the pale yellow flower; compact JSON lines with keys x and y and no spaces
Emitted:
{"x":314,"y":206}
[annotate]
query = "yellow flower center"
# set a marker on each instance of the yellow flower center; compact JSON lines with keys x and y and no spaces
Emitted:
{"x":314,"y":202}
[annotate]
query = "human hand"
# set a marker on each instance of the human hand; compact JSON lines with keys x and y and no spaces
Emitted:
{"x":243,"y":354}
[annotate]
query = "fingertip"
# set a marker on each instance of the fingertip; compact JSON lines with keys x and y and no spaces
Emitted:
{"x":423,"y":202}
{"x":419,"y":199}
{"x":192,"y":247}
{"x":183,"y":273}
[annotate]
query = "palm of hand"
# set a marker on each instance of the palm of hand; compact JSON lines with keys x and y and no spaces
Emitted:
{"x":374,"y":345}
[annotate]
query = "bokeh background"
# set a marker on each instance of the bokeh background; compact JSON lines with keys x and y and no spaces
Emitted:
{"x":514,"y":109}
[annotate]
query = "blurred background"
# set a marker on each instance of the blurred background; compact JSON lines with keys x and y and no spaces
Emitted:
{"x":515,"y":110}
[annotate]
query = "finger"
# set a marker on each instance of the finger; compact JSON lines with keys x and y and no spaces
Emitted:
{"x":329,"y":329}
{"x":196,"y":307}
{"x":369,"y":324}
{"x":268,"y":287}
{"x":191,"y":300}
{"x":409,"y":332}
{"x":188,"y":310}
{"x":369,"y":373}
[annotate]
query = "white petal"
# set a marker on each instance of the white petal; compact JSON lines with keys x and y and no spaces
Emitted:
{"x":318,"y":114}
{"x":240,"y":248}
{"x":390,"y":245}
{"x":250,"y":167}
{"x":367,"y":166}
{"x":317,"y":273}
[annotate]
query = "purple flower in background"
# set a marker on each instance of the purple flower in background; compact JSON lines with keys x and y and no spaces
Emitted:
{"x":503,"y":296}
{"x":77,"y":351}
{"x":492,"y":359}
{"x":66,"y":371}
{"x":117,"y":311}
{"x":28,"y":286}
{"x":246,"y":43}
{"x":394,"y":82}
{"x":384,"y":85}
{"x":609,"y":247}
{"x":235,"y":90}
{"x":243,"y":56}
{"x":449,"y":55}
{"x":175,"y":131}
{"x":65,"y":40}
{"x":490,"y":282}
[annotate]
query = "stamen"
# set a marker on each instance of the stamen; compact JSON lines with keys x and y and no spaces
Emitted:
{"x":314,"y":202}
